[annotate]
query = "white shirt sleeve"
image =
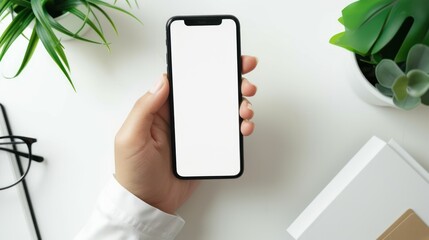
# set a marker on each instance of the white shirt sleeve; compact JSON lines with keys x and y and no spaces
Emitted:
{"x":121,"y":215}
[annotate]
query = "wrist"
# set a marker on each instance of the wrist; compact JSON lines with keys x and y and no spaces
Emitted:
{"x":137,"y":192}
{"x":119,"y":203}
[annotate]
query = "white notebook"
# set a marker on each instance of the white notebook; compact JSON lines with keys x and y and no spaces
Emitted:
{"x":374,"y":189}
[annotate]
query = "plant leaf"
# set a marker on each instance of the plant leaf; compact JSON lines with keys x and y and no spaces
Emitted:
{"x":401,"y":10}
{"x":425,"y":99}
{"x":340,"y":20}
{"x":49,"y":39}
{"x":399,"y":88}
{"x":370,"y":25}
{"x":5,"y":7}
{"x":23,"y":3}
{"x":27,"y":11}
{"x":89,"y":12}
{"x":363,"y":22}
{"x":108,"y":5}
{"x":384,"y":90}
{"x":14,"y":30}
{"x":106,"y":16}
{"x":82,"y":16}
{"x":337,"y":38}
{"x":32,"y":44}
{"x":387,"y":72}
{"x":408,"y":103}
{"x":426,"y":40}
{"x":418,"y":83}
{"x":57,"y":26}
{"x":361,"y":12}
{"x":53,"y":50}
{"x":65,"y":5}
{"x":94,"y":15}
{"x":418,"y":58}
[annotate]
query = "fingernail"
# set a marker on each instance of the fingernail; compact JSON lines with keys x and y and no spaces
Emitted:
{"x":158,"y":84}
{"x":249,"y":106}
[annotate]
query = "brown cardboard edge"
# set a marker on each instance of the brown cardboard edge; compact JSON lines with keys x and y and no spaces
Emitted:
{"x":398,"y":222}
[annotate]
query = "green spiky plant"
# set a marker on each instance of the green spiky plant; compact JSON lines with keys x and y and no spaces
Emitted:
{"x":41,"y":14}
{"x":410,"y":88}
{"x":383,"y":29}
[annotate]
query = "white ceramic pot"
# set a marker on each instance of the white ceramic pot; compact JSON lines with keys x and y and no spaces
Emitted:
{"x":365,"y":90}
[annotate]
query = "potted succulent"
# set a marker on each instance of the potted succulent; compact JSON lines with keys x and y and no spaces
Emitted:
{"x":50,"y":25}
{"x":381,"y":34}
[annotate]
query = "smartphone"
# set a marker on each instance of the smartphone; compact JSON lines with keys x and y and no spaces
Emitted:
{"x":204,"y":72}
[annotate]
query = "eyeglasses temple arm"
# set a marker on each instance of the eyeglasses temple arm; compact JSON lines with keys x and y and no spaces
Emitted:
{"x":33,"y":157}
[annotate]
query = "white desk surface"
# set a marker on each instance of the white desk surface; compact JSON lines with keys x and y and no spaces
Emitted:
{"x":309,"y":121}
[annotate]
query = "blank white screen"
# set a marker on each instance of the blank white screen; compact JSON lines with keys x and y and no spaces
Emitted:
{"x":205,"y":88}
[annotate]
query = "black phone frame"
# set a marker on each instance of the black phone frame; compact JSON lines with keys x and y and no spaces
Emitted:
{"x":203,"y":20}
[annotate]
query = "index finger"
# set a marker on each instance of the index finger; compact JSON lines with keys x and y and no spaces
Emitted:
{"x":248,"y":63}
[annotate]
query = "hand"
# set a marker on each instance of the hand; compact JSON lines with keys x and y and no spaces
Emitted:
{"x":142,"y":146}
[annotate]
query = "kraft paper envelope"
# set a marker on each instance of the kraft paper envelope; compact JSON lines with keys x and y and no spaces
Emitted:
{"x":408,"y":227}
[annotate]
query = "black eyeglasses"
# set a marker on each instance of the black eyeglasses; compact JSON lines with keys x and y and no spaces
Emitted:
{"x":15,"y":162}
{"x":14,"y":170}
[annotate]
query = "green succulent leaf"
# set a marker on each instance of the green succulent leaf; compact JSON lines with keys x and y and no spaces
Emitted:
{"x":418,"y":58}
{"x":370,"y":25}
{"x":387,"y":72}
{"x":425,"y":99}
{"x":418,"y":83}
{"x":384,"y":90}
{"x":407,"y":103}
{"x":399,"y":88}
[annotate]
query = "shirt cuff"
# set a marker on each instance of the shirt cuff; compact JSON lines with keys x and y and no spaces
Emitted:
{"x":129,"y":209}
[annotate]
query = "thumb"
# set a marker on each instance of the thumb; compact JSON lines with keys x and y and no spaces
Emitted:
{"x":158,"y":95}
{"x":140,"y":119}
